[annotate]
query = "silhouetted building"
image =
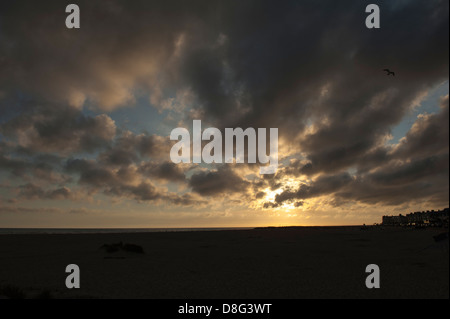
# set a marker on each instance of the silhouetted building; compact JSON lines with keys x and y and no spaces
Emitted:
{"x":429,"y":218}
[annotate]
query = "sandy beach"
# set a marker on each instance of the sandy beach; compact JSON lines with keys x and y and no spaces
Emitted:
{"x":297,"y":262}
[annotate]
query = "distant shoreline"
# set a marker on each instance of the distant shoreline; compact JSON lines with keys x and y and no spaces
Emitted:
{"x":50,"y":231}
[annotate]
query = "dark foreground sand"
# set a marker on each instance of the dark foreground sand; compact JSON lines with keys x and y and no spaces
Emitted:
{"x":262,"y":263}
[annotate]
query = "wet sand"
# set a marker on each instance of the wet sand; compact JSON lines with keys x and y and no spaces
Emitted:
{"x":300,"y":262}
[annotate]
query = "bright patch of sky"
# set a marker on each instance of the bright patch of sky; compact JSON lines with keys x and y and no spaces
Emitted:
{"x":140,"y":117}
{"x":428,"y":106}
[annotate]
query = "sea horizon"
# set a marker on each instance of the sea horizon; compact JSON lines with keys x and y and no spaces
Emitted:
{"x":112,"y":230}
{"x":63,"y":230}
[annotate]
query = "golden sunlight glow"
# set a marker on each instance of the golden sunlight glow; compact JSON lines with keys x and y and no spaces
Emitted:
{"x":287,"y":206}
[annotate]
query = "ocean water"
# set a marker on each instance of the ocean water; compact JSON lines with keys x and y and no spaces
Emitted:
{"x":15,"y":231}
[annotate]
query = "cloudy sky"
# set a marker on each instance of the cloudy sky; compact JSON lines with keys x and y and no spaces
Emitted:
{"x":86,"y":114}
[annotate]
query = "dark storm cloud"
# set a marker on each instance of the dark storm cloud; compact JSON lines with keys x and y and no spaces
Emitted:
{"x":392,"y":185}
{"x":120,"y":46}
{"x":425,"y":180}
{"x":44,"y":168}
{"x":14,"y":166}
{"x":331,"y":73}
{"x":98,"y":176}
{"x":324,"y":185}
{"x":310,"y":68}
{"x":129,"y":148}
{"x":428,"y":138}
{"x":143,"y":191}
{"x":397,"y":175}
{"x":131,"y":181}
{"x":429,"y":135}
{"x":118,"y":157}
{"x":60,"y":130}
{"x":166,"y":171}
{"x":234,"y":56}
{"x":186,"y":199}
{"x":411,"y":171}
{"x":32,"y":191}
{"x":220,"y":182}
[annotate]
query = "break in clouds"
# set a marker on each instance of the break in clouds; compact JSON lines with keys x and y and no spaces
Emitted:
{"x":312,"y":70}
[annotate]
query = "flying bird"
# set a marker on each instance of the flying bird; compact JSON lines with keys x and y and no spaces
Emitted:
{"x":389,"y":72}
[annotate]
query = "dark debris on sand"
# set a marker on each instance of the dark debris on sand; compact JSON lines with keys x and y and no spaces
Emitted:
{"x":112,"y":248}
